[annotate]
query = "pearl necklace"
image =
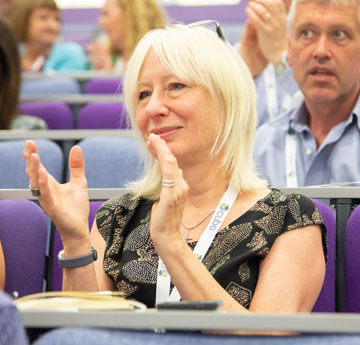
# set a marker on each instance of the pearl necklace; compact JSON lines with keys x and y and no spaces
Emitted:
{"x":188,"y":228}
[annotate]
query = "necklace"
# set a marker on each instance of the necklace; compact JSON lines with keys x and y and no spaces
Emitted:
{"x":194,"y":226}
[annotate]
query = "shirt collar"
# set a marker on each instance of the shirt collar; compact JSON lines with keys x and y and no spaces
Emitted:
{"x":299,"y":117}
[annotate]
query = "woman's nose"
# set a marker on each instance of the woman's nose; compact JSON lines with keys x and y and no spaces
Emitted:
{"x":157,"y":105}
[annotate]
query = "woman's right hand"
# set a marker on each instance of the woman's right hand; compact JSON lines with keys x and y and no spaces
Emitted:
{"x":66,"y":204}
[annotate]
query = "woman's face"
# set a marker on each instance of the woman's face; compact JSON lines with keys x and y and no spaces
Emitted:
{"x":112,"y":21}
{"x":184,"y":115}
{"x":44,"y":26}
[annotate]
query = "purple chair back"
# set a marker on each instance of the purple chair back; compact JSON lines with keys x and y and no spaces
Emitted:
{"x":352,"y":263}
{"x":102,"y":116}
{"x":57,"y":275}
{"x":57,"y":115}
{"x":326,"y":300}
{"x":23,"y":235}
{"x":104,"y":86}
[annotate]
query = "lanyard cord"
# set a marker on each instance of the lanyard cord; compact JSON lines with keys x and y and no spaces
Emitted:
{"x":201,"y":248}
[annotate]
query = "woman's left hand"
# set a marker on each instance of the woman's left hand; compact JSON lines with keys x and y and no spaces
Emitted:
{"x":167,"y":213}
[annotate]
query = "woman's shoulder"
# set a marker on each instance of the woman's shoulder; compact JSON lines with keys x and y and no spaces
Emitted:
{"x":67,"y":47}
{"x":277,"y":197}
{"x":296,"y":209}
{"x":125,"y":202}
{"x":28,"y":122}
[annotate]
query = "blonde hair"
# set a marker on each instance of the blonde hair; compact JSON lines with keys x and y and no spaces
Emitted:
{"x":21,"y":12}
{"x":197,"y":55}
{"x":294,"y":3}
{"x":141,"y":16}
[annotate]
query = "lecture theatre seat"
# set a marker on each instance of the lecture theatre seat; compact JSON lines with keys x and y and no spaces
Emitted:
{"x":23,"y":234}
{"x":12,"y":167}
{"x":103,"y":116}
{"x":326,"y":299}
{"x":57,"y":115}
{"x":110,"y":86}
{"x":352,"y":263}
{"x":110,"y":162}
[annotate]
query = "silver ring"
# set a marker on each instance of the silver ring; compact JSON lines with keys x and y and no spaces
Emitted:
{"x":34,"y":191}
{"x":168,"y":183}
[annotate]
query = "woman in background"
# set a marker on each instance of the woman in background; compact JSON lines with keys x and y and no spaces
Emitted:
{"x":37,"y":25}
{"x":10,"y":85}
{"x":125,"y":22}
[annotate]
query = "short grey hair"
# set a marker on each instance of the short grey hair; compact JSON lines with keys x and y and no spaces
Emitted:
{"x":294,"y":3}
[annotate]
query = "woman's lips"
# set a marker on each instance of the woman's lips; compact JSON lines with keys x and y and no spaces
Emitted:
{"x":165,"y":132}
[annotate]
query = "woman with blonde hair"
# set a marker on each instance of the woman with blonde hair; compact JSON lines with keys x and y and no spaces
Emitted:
{"x":36,"y":25}
{"x":125,"y":22}
{"x":200,"y":225}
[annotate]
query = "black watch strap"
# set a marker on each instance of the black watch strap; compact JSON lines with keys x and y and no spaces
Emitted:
{"x":77,"y":261}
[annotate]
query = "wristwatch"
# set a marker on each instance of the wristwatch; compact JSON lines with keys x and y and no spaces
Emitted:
{"x":77,"y":261}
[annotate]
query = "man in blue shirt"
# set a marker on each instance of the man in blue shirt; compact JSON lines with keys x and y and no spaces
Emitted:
{"x":318,"y":142}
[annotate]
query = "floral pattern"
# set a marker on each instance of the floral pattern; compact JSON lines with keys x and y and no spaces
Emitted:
{"x":233,"y":258}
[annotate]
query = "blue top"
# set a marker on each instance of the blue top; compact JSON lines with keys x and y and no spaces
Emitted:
{"x":67,"y":56}
{"x":285,"y":89}
{"x":337,"y":160}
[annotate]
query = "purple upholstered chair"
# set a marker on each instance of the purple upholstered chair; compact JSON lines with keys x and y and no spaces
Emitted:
{"x":352,"y":263}
{"x":326,"y":299}
{"x":56,"y":270}
{"x":102,"y":116}
{"x":23,"y":235}
{"x":57,"y":115}
{"x":104,"y":86}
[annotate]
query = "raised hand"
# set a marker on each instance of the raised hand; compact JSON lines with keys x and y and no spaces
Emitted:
{"x":66,"y":204}
{"x":251,"y":52}
{"x":167,"y":213}
{"x":269,"y":19}
{"x":100,"y":56}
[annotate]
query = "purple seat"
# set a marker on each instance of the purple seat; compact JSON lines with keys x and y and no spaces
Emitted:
{"x":57,"y":115}
{"x":104,"y":86}
{"x":352,"y":263}
{"x":326,"y":300}
{"x":103,"y":116}
{"x":56,"y":270}
{"x":23,"y":234}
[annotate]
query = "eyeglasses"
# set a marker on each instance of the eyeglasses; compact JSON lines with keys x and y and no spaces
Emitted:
{"x":208,"y":22}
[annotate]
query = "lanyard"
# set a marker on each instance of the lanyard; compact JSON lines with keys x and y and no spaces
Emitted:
{"x":201,"y":248}
{"x":271,"y":91}
{"x":290,"y":154}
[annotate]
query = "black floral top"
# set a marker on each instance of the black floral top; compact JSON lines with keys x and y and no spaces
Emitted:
{"x":233,"y":258}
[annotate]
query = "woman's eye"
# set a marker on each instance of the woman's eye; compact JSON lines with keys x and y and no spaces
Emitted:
{"x":177,"y":86}
{"x":143,"y":94}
